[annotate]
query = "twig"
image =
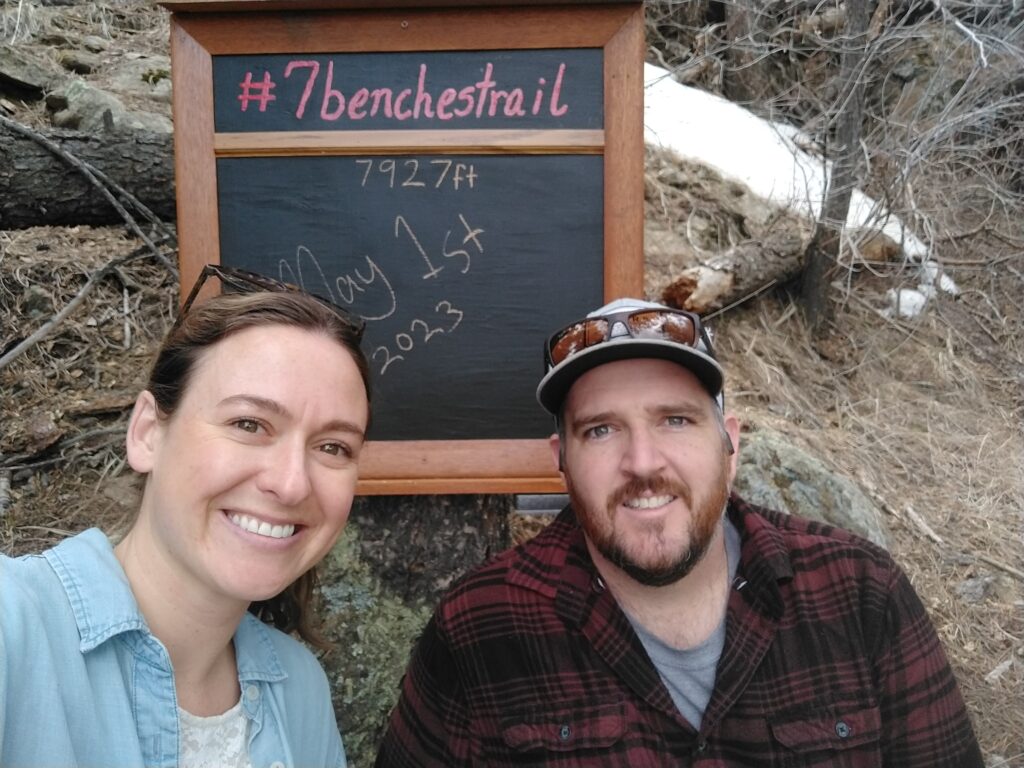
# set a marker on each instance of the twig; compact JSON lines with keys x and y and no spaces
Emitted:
{"x":17,"y":22}
{"x":968,"y":33}
{"x":103,"y":183}
{"x":1002,"y":566}
{"x":989,"y":262}
{"x":47,"y":529}
{"x":926,"y":529}
{"x":5,"y":491}
{"x":9,"y":462}
{"x":44,"y":330}
{"x":742,"y":300}
{"x":127,"y":325}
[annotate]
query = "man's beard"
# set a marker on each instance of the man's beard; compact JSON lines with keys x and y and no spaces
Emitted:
{"x":668,"y":567}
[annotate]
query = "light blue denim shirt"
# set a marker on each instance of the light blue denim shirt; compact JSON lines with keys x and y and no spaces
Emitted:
{"x":84,"y":683}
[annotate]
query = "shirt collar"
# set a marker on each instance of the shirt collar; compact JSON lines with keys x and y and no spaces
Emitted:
{"x":104,"y":606}
{"x":96,"y":586}
{"x":557,"y":564}
{"x":255,"y":653}
{"x":764,"y":557}
{"x":557,"y":558}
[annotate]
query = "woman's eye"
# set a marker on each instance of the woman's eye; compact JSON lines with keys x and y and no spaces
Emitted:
{"x":248,"y":425}
{"x":336,"y":449}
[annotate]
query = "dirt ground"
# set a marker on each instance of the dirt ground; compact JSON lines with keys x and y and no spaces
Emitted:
{"x":925,"y":414}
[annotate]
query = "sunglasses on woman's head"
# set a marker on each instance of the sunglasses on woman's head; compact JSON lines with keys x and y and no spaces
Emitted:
{"x":234,"y":280}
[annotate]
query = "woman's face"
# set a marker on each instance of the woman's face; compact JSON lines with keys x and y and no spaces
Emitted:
{"x":252,"y":478}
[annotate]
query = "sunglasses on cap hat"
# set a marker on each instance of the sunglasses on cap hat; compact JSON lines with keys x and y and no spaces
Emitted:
{"x":665,"y":324}
{"x":623,"y":329}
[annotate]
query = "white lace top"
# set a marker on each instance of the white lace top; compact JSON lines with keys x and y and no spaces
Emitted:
{"x":214,"y":742}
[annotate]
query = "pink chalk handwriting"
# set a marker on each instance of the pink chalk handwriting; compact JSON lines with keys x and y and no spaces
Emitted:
{"x":477,"y":101}
{"x":262,"y":90}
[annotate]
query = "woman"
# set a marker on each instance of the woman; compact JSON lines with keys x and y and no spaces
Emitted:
{"x":150,"y":652}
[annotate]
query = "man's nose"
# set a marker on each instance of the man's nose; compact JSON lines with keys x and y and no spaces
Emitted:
{"x":643,"y":456}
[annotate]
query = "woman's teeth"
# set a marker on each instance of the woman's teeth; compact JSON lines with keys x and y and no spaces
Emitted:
{"x":263,"y":528}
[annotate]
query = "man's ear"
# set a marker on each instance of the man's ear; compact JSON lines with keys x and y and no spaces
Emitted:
{"x":732,"y":429}
{"x":556,"y":450}
{"x":143,"y":436}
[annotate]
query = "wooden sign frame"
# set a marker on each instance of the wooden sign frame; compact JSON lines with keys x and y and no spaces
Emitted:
{"x":201,"y":29}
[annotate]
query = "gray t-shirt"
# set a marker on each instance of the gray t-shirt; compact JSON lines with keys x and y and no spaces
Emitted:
{"x":689,"y":674}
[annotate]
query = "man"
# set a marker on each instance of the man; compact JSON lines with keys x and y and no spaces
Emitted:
{"x":659,"y":621}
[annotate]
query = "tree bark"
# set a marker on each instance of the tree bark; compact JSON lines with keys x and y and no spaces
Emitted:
{"x":821,"y":258}
{"x":747,"y":77}
{"x":37,"y":187}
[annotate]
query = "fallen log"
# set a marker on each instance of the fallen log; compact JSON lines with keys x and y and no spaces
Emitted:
{"x":38,"y":187}
{"x":740,"y":271}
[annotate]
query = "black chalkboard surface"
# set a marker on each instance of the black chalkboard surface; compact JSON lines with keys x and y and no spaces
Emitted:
{"x":460,"y":265}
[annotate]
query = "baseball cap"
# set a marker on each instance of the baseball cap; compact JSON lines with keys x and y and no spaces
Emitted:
{"x":623,"y":329}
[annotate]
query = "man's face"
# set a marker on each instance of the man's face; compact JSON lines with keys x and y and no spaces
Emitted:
{"x":647,"y":466}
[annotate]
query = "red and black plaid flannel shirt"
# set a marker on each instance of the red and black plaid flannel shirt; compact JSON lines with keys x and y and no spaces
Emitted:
{"x":829,"y":660}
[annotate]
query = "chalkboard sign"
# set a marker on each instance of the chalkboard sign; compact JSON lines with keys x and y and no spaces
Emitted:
{"x":464,"y":196}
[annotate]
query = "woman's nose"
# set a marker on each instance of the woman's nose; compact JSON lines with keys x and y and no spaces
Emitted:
{"x":286,"y":474}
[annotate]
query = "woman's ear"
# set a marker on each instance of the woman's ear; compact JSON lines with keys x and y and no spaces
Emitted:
{"x":143,"y":436}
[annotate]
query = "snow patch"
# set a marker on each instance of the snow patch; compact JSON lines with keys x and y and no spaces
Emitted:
{"x":773,"y":160}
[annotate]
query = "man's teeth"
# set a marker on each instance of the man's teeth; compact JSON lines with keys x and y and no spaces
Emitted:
{"x":262,"y":528}
{"x":648,"y":502}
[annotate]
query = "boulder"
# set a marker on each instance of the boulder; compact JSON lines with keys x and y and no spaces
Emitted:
{"x":80,"y":106}
{"x":79,"y":62}
{"x":380,"y":584}
{"x":372,"y":631}
{"x":23,"y":75}
{"x":143,"y":78}
{"x":775,"y":473}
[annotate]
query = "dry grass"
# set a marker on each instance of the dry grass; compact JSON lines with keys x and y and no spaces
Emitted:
{"x":117,"y":31}
{"x":66,"y":398}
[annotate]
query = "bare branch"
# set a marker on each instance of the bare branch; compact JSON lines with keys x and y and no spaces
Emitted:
{"x":968,"y":33}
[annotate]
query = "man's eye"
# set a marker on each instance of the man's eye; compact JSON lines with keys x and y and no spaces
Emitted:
{"x":676,"y":421}
{"x":601,"y":430}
